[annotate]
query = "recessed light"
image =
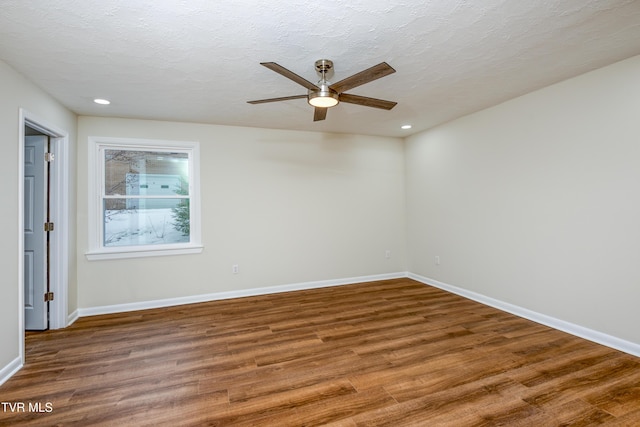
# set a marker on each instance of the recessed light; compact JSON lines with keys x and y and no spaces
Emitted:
{"x":102,"y":101}
{"x":405,"y":127}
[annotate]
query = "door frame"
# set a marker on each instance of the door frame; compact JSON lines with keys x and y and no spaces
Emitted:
{"x":59,"y":238}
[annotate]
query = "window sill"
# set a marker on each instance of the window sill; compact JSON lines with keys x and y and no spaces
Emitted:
{"x":123,"y":253}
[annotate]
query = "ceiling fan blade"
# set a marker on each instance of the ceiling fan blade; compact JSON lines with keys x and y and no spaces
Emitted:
{"x":319,"y":114}
{"x":284,"y":98}
{"x":366,"y":76}
{"x":289,"y":74}
{"x":367,"y":102}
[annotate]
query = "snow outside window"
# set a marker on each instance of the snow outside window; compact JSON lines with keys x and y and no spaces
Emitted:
{"x":144,"y":198}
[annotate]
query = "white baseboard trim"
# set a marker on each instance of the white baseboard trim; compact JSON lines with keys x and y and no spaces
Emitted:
{"x":561,"y":325}
{"x":120,"y":308}
{"x":72,"y":317}
{"x":8,"y":371}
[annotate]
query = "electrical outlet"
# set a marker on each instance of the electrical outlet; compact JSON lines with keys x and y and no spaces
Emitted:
{"x":387,"y":254}
{"x":235,"y":269}
{"x":437,"y":260}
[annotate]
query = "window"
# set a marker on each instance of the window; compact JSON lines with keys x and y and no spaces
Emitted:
{"x":143,"y":198}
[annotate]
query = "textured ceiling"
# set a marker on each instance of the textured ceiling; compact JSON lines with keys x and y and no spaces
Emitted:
{"x":198,"y":60}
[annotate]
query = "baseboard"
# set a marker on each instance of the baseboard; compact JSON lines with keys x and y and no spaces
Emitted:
{"x":120,"y":308}
{"x":8,"y":371}
{"x":72,"y":317}
{"x":561,"y":325}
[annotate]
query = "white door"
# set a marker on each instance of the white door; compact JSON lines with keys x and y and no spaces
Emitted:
{"x":35,"y":238}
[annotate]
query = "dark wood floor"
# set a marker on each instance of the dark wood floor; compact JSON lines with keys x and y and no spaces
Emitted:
{"x":390,"y":353}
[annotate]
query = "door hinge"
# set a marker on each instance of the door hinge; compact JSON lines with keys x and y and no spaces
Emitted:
{"x":49,"y":157}
{"x":48,"y":296}
{"x":48,"y":226}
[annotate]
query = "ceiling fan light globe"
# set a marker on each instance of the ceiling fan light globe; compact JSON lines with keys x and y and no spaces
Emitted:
{"x":323,"y":101}
{"x":323,"y":98}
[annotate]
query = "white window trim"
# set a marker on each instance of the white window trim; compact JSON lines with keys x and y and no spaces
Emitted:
{"x":95,"y":181}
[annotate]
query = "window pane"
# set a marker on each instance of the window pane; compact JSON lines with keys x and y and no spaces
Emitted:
{"x":145,"y":173}
{"x":134,"y":222}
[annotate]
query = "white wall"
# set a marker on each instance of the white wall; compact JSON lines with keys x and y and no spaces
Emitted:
{"x":16,"y":92}
{"x":536,"y":202}
{"x":288,"y":207}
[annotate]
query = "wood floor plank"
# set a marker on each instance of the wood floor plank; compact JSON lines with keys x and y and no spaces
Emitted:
{"x":450,"y":405}
{"x":384,"y":353}
{"x":621,"y":398}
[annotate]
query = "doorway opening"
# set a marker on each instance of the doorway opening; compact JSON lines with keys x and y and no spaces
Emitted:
{"x":57,"y":220}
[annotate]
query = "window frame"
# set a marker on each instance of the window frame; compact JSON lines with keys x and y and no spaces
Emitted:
{"x":96,"y":183}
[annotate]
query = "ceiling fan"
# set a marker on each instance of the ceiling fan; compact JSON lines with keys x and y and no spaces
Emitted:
{"x":325,"y":94}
